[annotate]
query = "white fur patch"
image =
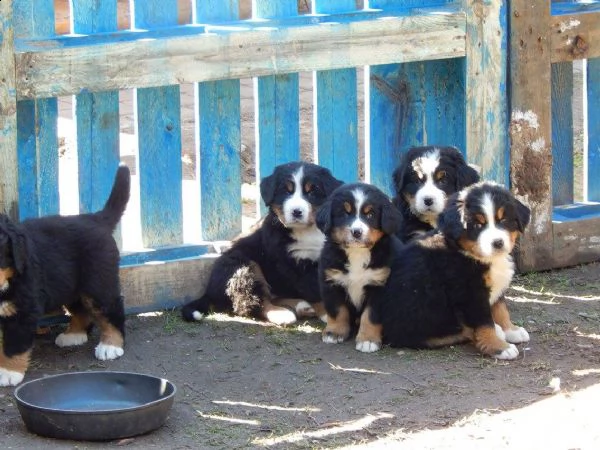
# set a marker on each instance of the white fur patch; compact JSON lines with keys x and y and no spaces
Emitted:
{"x":367,"y":346}
{"x":491,"y":233}
{"x":517,"y":335}
{"x":425,"y":167}
{"x":332,"y":339}
{"x":70,"y":339}
{"x":297,"y":203}
{"x":10,"y":377}
{"x":502,"y":269}
{"x":4,"y":286}
{"x":105,"y":352}
{"x":500,"y":332}
{"x":7,"y":309}
{"x":308,"y":243}
{"x":197,"y":315}
{"x":510,"y":353}
{"x":303,"y":308}
{"x":358,"y":275}
{"x":281,"y":316}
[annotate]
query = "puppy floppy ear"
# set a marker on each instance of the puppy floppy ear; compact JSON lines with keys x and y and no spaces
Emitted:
{"x":450,"y":221}
{"x":390,"y":219}
{"x":17,"y":243}
{"x":330,"y":183}
{"x":523,"y":215}
{"x":323,"y":218}
{"x":465,"y":173}
{"x":267,"y":188}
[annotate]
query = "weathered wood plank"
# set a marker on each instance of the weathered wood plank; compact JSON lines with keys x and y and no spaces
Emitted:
{"x":157,"y":114}
{"x":96,"y":115}
{"x":9,"y":193}
{"x":70,"y":65}
{"x":576,"y":241}
{"x":593,"y":131}
{"x":529,"y":129}
{"x":562,"y":133}
{"x":486,"y":96}
{"x":575,"y":36}
{"x":336,"y":110}
{"x":37,"y":141}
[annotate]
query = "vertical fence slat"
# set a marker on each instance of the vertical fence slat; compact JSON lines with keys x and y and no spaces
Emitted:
{"x":8,"y":114}
{"x":157,"y":115}
{"x":562,"y":133}
{"x":593,"y":131}
{"x":336,"y":116}
{"x":486,"y":96}
{"x":411,"y":104}
{"x":220,"y":141}
{"x":277,"y":103}
{"x":96,"y":114}
{"x":37,"y":142}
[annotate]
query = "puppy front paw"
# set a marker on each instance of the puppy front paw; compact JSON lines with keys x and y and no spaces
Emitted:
{"x":70,"y":339}
{"x":10,"y":377}
{"x":367,"y":346}
{"x":281,"y":316}
{"x":330,"y":337}
{"x":511,"y":352}
{"x":500,"y":332}
{"x":517,"y":335}
{"x":106,"y":352}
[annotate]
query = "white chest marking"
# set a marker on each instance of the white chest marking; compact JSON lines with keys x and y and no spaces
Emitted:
{"x":502,"y":270}
{"x":308,"y":243}
{"x":7,"y":309}
{"x":357,"y":275}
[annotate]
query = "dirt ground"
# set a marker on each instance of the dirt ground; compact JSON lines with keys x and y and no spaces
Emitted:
{"x":245,"y":384}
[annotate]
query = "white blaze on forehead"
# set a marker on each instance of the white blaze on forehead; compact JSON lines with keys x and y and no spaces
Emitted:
{"x":426,"y":164}
{"x":297,"y":202}
{"x":491,"y":232}
{"x":425,"y":167}
{"x":359,"y":201}
{"x":487,"y":204}
{"x":298,"y":176}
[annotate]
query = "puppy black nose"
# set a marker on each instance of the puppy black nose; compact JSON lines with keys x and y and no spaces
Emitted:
{"x":498,"y":244}
{"x":297,"y":213}
{"x":428,"y":201}
{"x":356,"y":233}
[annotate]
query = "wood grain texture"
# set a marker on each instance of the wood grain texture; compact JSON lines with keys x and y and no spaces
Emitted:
{"x":575,"y":36}
{"x":576,"y":241}
{"x":70,"y":65}
{"x":529,"y":129}
{"x":593,"y":132}
{"x":562,"y":133}
{"x":9,"y":193}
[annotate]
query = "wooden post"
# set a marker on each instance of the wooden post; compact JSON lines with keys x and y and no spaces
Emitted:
{"x":9,"y":195}
{"x":529,"y":129}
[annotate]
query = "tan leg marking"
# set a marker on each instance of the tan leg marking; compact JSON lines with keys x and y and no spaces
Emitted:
{"x":488,"y":342}
{"x":109,"y":335}
{"x":501,"y":315}
{"x":338,"y":328}
{"x":368,"y":331}
{"x":18,"y":363}
{"x":465,"y":335}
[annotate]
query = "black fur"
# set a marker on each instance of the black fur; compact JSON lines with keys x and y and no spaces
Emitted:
{"x":235,"y":284}
{"x":55,"y":261}
{"x":350,"y":252}
{"x":437,"y":287}
{"x":458,"y":175}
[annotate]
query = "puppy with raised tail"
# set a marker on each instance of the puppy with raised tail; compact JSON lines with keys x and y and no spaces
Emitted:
{"x":359,"y":223}
{"x":61,"y":261}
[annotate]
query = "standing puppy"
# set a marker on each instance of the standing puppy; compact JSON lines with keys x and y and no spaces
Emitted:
{"x":273,"y":269}
{"x":446,"y":288}
{"x":425,"y":179}
{"x":359,"y":222}
{"x":61,"y":261}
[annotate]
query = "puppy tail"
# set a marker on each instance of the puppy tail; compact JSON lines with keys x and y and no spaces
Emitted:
{"x":196,"y":309}
{"x":118,"y":198}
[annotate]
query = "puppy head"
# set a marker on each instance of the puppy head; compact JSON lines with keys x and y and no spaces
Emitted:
{"x":12,"y":252}
{"x":484,"y":220}
{"x":358,"y":215}
{"x":427,"y":176}
{"x":295,"y":190}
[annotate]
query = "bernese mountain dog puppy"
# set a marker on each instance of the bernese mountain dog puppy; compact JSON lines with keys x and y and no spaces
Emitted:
{"x":272,"y":272}
{"x":423,"y":181}
{"x":359,"y":223}
{"x":446,"y":288}
{"x":61,"y":261}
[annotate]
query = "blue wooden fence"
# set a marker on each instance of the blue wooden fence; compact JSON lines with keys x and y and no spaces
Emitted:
{"x":435,"y":72}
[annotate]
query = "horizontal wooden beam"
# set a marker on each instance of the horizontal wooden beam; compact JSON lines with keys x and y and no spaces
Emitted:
{"x":75,"y":64}
{"x":575,"y":36}
{"x":575,"y":242}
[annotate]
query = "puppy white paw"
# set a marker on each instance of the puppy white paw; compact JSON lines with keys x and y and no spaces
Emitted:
{"x":500,"y":332}
{"x":281,"y":316}
{"x":517,"y":335}
{"x":105,"y":352}
{"x":367,"y":346}
{"x":323,"y":318}
{"x":197,"y":315}
{"x":330,"y":338}
{"x":10,"y":377}
{"x":305,"y":309}
{"x":509,"y":353}
{"x":70,"y":339}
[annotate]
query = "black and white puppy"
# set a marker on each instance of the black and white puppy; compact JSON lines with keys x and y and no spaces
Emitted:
{"x":446,"y":288}
{"x":61,"y":261}
{"x":272,"y":272}
{"x":423,"y":181}
{"x":359,"y":222}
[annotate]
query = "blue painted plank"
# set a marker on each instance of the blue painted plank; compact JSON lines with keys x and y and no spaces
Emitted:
{"x":593,"y":131}
{"x":165,"y":254}
{"x":562,"y":133}
{"x":37,"y":141}
{"x":220,"y":142}
{"x":96,"y":115}
{"x":336,"y":111}
{"x":277,"y":104}
{"x":157,"y":112}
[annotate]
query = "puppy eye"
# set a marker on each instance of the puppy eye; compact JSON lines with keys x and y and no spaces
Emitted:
{"x":308,"y":187}
{"x":441,"y":176}
{"x":368,"y":212}
{"x":347,"y":207}
{"x":478,"y":226}
{"x":289,"y":187}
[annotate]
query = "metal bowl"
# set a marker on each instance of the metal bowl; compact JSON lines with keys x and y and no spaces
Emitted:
{"x":94,"y":406}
